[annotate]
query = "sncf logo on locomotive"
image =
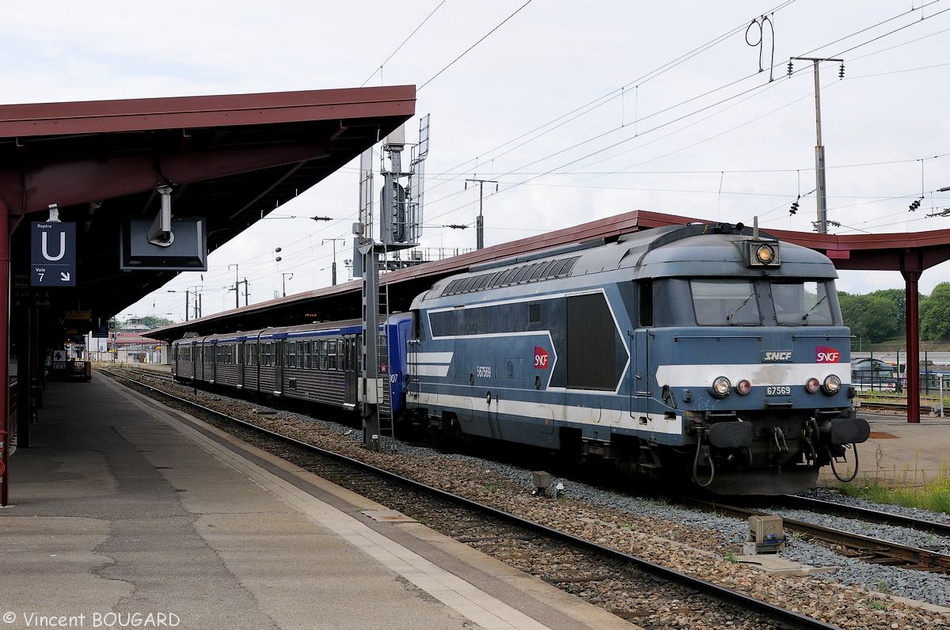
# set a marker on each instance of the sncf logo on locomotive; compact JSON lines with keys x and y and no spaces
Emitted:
{"x":824,"y":354}
{"x":774,"y":356}
{"x":541,"y":358}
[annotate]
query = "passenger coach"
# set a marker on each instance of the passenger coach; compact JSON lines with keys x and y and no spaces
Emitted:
{"x":314,"y":362}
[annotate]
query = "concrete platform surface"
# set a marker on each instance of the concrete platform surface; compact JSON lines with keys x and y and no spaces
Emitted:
{"x":126,"y":513}
{"x":900,"y":453}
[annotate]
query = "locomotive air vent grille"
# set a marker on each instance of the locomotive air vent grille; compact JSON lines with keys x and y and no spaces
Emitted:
{"x":531,"y":272}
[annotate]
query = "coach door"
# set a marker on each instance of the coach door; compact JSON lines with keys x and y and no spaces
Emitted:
{"x":641,"y":377}
{"x":350,"y":360}
{"x":239,"y":359}
{"x":279,"y":366}
{"x":640,"y":374}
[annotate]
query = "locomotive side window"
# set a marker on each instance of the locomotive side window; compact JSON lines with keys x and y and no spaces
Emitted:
{"x":534,"y":313}
{"x":646,"y":303}
{"x":802,"y":303}
{"x":724,"y":302}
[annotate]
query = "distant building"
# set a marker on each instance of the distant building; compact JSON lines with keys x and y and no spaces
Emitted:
{"x":127,"y":346}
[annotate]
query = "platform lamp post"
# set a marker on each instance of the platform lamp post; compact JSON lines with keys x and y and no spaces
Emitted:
{"x":283,"y":280}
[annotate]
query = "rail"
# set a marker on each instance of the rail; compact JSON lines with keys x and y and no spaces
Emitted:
{"x":865,"y":548}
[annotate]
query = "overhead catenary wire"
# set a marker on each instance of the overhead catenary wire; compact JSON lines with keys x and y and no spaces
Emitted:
{"x":399,"y":47}
{"x":563,"y":169}
{"x":599,"y":101}
{"x":694,"y":112}
{"x":470,"y":48}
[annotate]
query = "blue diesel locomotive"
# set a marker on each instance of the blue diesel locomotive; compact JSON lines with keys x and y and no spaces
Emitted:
{"x":704,"y":352}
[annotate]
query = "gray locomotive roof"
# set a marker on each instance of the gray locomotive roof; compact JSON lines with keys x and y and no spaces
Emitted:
{"x":673,"y":251}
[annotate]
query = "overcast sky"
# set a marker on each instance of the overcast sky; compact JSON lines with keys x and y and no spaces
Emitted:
{"x":580,"y":110}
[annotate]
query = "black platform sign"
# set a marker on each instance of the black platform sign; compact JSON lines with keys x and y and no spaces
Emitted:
{"x":52,"y":254}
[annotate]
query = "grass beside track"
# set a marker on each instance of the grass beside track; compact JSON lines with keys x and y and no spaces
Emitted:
{"x":911,"y":489}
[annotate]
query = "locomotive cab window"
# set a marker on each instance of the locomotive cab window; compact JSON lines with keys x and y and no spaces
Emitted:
{"x":722,"y":302}
{"x":802,"y":303}
{"x":646,"y":303}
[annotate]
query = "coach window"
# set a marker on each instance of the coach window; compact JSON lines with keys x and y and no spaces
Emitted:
{"x":331,"y":355}
{"x":724,"y":302}
{"x":323,"y":354}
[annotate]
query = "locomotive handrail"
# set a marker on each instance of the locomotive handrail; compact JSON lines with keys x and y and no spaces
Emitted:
{"x":716,"y":336}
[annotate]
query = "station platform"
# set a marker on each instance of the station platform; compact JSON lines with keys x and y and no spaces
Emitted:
{"x":900,"y":453}
{"x":126,"y":513}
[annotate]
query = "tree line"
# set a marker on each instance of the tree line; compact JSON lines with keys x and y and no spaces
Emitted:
{"x":879,"y":316}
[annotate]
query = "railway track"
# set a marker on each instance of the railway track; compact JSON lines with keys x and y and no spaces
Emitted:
{"x":865,"y":514}
{"x":860,"y":547}
{"x":896,"y":407}
{"x":486,"y":527}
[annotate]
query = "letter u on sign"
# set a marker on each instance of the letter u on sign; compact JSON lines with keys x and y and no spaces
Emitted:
{"x":45,"y":246}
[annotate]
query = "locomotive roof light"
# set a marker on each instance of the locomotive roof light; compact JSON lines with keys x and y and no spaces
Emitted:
{"x":831,"y":385}
{"x":743,"y":387}
{"x":764,"y":254}
{"x":720,"y":387}
{"x":812,"y":385}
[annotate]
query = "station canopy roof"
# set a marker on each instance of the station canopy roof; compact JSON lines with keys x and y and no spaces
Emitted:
{"x":895,"y":252}
{"x":230,"y":159}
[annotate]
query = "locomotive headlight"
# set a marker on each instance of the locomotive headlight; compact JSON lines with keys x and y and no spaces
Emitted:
{"x":763,"y":253}
{"x":812,"y":385}
{"x":721,"y":387}
{"x":743,"y":387}
{"x":831,"y":385}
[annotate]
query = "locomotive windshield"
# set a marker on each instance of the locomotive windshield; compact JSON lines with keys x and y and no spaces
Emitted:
{"x":801,"y":303}
{"x":724,"y":302}
{"x":733,"y":302}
